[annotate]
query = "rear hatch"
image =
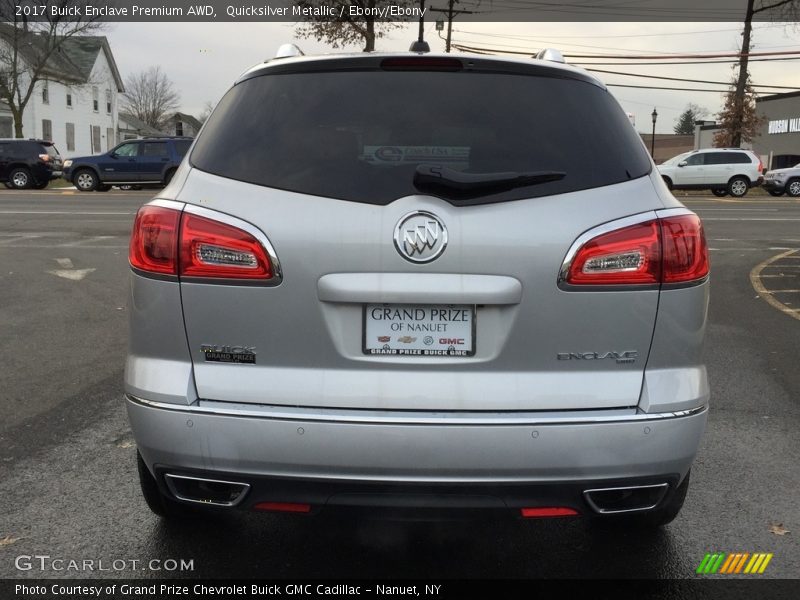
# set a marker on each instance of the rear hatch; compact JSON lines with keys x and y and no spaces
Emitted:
{"x":420,"y":213}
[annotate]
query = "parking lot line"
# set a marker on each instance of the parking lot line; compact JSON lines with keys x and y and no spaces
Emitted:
{"x":763,"y":292}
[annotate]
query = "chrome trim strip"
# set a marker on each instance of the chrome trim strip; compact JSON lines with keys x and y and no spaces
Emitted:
{"x":168,"y":477}
{"x":291,"y":413}
{"x":603,"y":511}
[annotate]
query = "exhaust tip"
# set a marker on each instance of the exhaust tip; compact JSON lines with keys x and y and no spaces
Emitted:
{"x":213,"y":492}
{"x":615,"y":500}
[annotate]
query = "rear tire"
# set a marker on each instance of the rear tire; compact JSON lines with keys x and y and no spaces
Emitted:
{"x":793,"y":188}
{"x":164,"y":507}
{"x":719,"y":193}
{"x":20,"y":178}
{"x":738,"y":186}
{"x":85,"y":180}
{"x":775,"y":193}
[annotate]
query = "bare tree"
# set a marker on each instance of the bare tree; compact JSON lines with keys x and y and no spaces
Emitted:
{"x":777,"y":10}
{"x":30,"y":49}
{"x":208,"y":107}
{"x":365,"y":28}
{"x":150,"y":96}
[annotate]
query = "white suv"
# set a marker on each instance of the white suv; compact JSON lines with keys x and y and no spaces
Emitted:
{"x":722,"y":170}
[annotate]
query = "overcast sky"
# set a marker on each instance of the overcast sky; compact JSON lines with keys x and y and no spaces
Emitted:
{"x":203,"y":59}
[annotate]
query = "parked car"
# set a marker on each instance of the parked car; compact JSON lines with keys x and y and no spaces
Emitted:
{"x":783,"y":181}
{"x":415,"y":304}
{"x":722,"y":170}
{"x":133,"y":162}
{"x":28,"y":163}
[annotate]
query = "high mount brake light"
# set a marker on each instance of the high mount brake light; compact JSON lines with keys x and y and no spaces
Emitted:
{"x":167,"y":241}
{"x":668,"y":250}
{"x":422,"y":63}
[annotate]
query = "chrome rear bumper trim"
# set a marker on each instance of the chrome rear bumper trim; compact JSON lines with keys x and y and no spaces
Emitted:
{"x":291,"y":413}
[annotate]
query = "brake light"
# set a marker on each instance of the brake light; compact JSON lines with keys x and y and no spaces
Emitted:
{"x":670,"y":250}
{"x":170,"y":242}
{"x":627,"y":256}
{"x":213,"y":249}
{"x":422,"y":63}
{"x":684,"y":248}
{"x":154,"y":241}
{"x":45,"y":157}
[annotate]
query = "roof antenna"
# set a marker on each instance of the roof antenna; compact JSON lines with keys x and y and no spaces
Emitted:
{"x":421,"y":45}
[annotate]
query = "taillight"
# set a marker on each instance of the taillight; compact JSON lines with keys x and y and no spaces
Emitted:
{"x":669,"y":250}
{"x":154,"y":241}
{"x":627,"y":256}
{"x":45,"y":157}
{"x":685,"y":253}
{"x":168,"y":241}
{"x":213,"y":249}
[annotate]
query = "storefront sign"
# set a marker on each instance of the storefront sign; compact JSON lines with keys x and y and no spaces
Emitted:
{"x":784,"y":126}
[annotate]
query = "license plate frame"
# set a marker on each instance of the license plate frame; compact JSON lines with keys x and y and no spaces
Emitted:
{"x":419,"y":347}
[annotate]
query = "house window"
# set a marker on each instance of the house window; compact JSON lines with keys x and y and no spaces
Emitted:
{"x":47,"y":130}
{"x":69,"y":99}
{"x":70,"y":136}
{"x":179,"y":128}
{"x":108,"y":101}
{"x":45,"y":93}
{"x":95,"y":99}
{"x":95,"y":133}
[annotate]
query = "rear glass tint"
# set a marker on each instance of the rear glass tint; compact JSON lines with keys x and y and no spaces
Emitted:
{"x":360,"y":135}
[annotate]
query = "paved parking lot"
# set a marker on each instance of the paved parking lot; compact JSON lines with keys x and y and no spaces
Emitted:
{"x":67,"y":476}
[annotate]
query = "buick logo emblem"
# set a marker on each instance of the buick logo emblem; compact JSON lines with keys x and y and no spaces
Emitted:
{"x":420,"y":237}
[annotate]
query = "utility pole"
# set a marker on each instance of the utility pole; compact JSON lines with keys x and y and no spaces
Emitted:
{"x":421,"y":20}
{"x":451,"y":14}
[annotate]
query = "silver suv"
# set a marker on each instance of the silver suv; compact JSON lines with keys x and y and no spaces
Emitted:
{"x":416,"y":282}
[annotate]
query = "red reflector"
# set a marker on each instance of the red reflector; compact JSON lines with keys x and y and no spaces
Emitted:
{"x":548,"y":511}
{"x":627,"y":256}
{"x":422,"y":63}
{"x":154,"y":241}
{"x":209,"y":248}
{"x":685,"y":249}
{"x":292,"y":507}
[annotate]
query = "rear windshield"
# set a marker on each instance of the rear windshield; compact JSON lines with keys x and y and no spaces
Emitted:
{"x":360,"y":135}
{"x":50,"y":149}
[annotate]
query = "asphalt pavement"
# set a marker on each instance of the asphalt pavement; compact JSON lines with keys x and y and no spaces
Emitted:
{"x":68,"y":485}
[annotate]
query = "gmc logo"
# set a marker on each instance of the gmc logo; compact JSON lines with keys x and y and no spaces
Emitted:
{"x":452,"y":341}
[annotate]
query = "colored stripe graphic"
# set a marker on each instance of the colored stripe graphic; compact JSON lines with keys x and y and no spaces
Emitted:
{"x":734,"y":563}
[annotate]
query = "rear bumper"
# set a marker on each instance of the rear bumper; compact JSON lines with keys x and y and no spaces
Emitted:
{"x":480,"y":462}
{"x":770,"y":184}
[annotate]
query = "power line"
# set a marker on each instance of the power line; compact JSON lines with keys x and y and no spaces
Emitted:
{"x":779,"y":87}
{"x":631,"y":35}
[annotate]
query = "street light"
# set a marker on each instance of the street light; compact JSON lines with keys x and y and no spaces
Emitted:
{"x":654,"y":114}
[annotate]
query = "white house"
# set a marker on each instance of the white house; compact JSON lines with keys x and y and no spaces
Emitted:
{"x":76,"y":104}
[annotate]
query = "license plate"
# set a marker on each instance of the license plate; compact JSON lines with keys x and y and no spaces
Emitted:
{"x":419,"y":330}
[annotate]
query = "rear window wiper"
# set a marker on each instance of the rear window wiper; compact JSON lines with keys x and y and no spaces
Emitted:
{"x":457,"y":184}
